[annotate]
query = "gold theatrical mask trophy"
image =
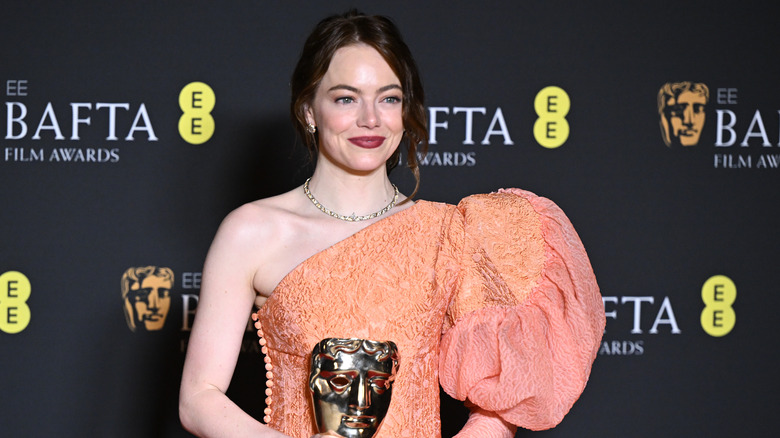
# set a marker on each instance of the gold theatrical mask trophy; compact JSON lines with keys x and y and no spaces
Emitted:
{"x":351,"y":382}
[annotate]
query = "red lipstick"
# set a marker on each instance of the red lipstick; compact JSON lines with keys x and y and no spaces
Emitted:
{"x":368,"y":142}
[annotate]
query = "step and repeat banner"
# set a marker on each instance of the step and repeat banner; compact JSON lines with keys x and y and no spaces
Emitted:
{"x":128,"y":130}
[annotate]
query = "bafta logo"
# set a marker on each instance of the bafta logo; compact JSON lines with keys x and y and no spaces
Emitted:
{"x":351,"y":382}
{"x":681,"y":110}
{"x":146,"y":292}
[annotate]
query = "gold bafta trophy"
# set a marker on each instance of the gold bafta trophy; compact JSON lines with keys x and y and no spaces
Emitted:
{"x":351,"y":382}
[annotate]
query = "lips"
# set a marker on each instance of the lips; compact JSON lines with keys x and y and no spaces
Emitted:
{"x":368,"y":142}
{"x":359,"y":422}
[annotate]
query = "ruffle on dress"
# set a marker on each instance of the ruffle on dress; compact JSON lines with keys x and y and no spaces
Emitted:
{"x":524,"y":326}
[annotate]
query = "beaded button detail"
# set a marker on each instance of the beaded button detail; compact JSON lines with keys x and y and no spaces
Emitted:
{"x":269,"y":374}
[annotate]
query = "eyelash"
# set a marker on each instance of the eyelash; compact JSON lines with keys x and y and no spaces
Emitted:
{"x":346,"y":100}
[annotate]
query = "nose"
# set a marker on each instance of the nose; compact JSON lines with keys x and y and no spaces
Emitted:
{"x":368,"y":117}
{"x":154,"y":302}
{"x":688,"y":115}
{"x":360,"y":394}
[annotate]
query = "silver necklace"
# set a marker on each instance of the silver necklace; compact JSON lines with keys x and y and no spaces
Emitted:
{"x":352,"y":217}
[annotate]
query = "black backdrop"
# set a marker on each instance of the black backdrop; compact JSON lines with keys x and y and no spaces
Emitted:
{"x":657,"y":221}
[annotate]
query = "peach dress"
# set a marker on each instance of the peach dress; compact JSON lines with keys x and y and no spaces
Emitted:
{"x":494,"y":299}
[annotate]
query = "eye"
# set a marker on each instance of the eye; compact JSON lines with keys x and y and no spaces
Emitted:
{"x":345,"y":100}
{"x":143,"y":294}
{"x":339,"y":383}
{"x":379,"y":384}
{"x":392,"y":99}
{"x":676,"y":110}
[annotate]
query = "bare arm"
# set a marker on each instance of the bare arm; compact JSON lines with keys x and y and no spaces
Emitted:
{"x":226,"y":300}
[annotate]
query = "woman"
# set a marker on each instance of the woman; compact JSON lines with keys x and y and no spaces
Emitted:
{"x":494,"y":299}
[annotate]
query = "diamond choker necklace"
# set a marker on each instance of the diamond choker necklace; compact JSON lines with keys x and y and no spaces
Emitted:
{"x":353,"y":217}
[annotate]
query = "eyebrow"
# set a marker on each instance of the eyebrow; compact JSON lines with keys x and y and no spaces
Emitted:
{"x":355,"y":90}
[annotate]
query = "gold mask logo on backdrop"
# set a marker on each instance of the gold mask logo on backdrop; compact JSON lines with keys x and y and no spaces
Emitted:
{"x":146,"y":292}
{"x":681,"y":111}
{"x":737,"y":144}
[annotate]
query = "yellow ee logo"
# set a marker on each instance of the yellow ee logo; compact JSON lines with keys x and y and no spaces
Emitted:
{"x":14,"y":293}
{"x":718,"y":294}
{"x":551,"y":129}
{"x":196,"y":100}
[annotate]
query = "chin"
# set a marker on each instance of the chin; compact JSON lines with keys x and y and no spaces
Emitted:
{"x":367,"y":165}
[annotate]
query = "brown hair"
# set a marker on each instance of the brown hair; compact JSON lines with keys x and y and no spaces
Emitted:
{"x":380,"y":33}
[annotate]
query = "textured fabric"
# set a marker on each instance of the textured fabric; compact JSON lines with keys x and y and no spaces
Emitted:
{"x":496,"y":294}
{"x":485,"y":424}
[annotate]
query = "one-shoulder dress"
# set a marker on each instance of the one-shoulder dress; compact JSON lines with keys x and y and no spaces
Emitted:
{"x":493,"y":299}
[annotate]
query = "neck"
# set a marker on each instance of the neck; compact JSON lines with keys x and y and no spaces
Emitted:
{"x":346,"y":193}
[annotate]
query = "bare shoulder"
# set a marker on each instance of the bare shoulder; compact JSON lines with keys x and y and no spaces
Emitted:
{"x":256,"y":223}
{"x":262,"y":237}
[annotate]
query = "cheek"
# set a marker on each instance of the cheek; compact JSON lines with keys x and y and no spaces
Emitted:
{"x":394,"y":120}
{"x":335,"y":121}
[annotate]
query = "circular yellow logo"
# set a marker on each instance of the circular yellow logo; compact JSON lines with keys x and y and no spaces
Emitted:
{"x":196,"y":100}
{"x":551,"y":129}
{"x":14,"y":293}
{"x":718,"y":294}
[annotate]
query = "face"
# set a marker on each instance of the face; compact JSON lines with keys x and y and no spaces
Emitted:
{"x":685,"y":117}
{"x":357,"y":110}
{"x":151,"y":300}
{"x":351,"y":393}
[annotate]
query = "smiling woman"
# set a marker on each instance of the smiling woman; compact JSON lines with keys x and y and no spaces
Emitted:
{"x":351,"y":31}
{"x":358,"y":111}
{"x":494,"y":298}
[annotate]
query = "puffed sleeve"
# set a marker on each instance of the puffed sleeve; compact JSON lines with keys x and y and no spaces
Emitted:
{"x":525,"y":324}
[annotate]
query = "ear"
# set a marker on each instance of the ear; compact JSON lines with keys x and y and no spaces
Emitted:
{"x":309,"y":114}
